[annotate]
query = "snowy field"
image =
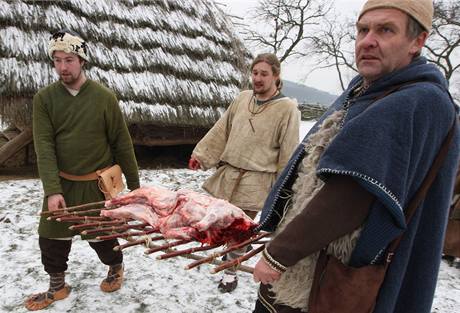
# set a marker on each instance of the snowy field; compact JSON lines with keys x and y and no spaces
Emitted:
{"x":151,"y":285}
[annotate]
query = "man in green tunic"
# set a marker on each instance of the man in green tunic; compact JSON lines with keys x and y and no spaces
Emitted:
{"x":250,"y":145}
{"x":78,"y":129}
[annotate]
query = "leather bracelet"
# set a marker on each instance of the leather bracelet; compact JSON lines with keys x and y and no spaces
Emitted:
{"x":275,"y":265}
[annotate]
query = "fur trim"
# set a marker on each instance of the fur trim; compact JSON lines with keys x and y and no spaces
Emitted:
{"x":69,"y":44}
{"x":293,"y":288}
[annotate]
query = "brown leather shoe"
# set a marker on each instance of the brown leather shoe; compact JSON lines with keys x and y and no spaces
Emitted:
{"x":114,"y":279}
{"x":42,"y":300}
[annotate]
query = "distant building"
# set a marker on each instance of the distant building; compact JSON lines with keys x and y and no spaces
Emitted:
{"x":311,"y":111}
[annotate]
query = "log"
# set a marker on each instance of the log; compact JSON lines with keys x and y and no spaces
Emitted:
{"x":16,"y":144}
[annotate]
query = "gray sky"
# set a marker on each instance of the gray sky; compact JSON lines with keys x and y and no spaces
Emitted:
{"x":325,"y":79}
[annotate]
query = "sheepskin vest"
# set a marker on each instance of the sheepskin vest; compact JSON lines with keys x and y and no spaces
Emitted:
{"x":294,"y":286}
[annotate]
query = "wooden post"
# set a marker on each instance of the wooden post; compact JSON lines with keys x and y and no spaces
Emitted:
{"x":15,"y":145}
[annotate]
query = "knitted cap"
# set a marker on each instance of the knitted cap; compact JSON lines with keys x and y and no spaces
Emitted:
{"x":420,"y":10}
{"x":69,"y":42}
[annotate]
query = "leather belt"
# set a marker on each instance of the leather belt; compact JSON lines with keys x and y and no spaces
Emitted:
{"x":86,"y":177}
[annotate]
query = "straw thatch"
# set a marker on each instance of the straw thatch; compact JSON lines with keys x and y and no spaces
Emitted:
{"x":172,"y":63}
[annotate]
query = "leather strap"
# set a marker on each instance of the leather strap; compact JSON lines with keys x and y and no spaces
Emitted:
{"x":86,"y":177}
{"x":238,"y":178}
{"x":237,"y":182}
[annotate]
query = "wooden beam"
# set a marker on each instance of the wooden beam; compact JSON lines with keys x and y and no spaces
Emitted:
{"x":154,"y":135}
{"x":16,"y":144}
{"x":10,"y":133}
{"x":165,"y":142}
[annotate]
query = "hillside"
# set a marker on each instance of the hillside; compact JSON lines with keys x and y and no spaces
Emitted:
{"x":305,"y":94}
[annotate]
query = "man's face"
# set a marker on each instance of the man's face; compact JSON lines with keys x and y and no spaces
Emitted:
{"x":382,"y":45}
{"x":68,"y":66}
{"x":263,"y":80}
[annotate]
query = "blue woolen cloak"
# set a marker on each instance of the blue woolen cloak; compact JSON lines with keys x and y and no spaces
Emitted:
{"x":388,"y":146}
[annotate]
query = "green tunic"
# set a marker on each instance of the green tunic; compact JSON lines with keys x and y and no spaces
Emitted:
{"x":78,"y":135}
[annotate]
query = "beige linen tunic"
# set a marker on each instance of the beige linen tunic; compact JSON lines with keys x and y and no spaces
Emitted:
{"x":262,"y":149}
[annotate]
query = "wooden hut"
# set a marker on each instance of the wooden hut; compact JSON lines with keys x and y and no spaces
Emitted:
{"x":175,"y":65}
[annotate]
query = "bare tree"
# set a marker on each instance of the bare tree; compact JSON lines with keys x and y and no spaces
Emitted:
{"x":305,"y":29}
{"x":332,"y":45}
{"x":444,"y":43}
{"x":287,"y":24}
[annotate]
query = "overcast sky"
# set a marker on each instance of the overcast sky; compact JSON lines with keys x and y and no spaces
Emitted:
{"x":296,"y":71}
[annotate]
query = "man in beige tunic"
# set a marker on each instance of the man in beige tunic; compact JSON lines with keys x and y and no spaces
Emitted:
{"x":250,"y":145}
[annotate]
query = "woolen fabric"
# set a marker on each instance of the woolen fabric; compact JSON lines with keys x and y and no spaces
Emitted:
{"x":55,"y":253}
{"x":78,"y":135}
{"x":260,"y":143}
{"x":388,"y":147}
{"x":420,"y":10}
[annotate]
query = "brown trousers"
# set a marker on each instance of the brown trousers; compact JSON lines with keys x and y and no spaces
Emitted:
{"x":265,"y":303}
{"x":55,"y":253}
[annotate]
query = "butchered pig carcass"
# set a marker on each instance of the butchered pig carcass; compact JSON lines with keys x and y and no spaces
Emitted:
{"x":183,"y":214}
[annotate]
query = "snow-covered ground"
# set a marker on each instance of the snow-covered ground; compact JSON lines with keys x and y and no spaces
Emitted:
{"x":151,"y":285}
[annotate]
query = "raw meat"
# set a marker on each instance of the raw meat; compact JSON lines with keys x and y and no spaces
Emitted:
{"x":183,"y":214}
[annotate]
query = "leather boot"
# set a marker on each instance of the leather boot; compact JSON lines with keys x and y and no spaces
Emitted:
{"x":228,"y":283}
{"x":58,"y":290}
{"x":114,"y":278}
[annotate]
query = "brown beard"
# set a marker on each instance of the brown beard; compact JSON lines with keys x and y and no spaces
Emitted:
{"x":265,"y":92}
{"x":73,"y":80}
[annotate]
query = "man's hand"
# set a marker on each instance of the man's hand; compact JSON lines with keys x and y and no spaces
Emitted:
{"x":194,"y":164}
{"x":56,"y":202}
{"x":264,"y":273}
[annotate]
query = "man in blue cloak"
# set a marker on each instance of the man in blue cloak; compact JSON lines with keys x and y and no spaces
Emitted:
{"x":349,"y":182}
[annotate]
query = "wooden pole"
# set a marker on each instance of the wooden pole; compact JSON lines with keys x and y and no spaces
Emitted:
{"x":195,"y":257}
{"x":229,"y":249}
{"x":132,"y":243}
{"x":166,"y":246}
{"x":186,"y":251}
{"x":96,"y":224}
{"x":127,"y":234}
{"x":75,"y":213}
{"x":237,"y":261}
{"x":114,"y":228}
{"x":74,"y":208}
{"x":84,"y":219}
{"x":16,"y":144}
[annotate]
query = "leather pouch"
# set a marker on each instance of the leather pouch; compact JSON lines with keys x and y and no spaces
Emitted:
{"x":110,"y":181}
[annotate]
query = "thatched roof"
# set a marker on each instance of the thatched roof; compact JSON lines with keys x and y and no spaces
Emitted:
{"x":170,"y":62}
